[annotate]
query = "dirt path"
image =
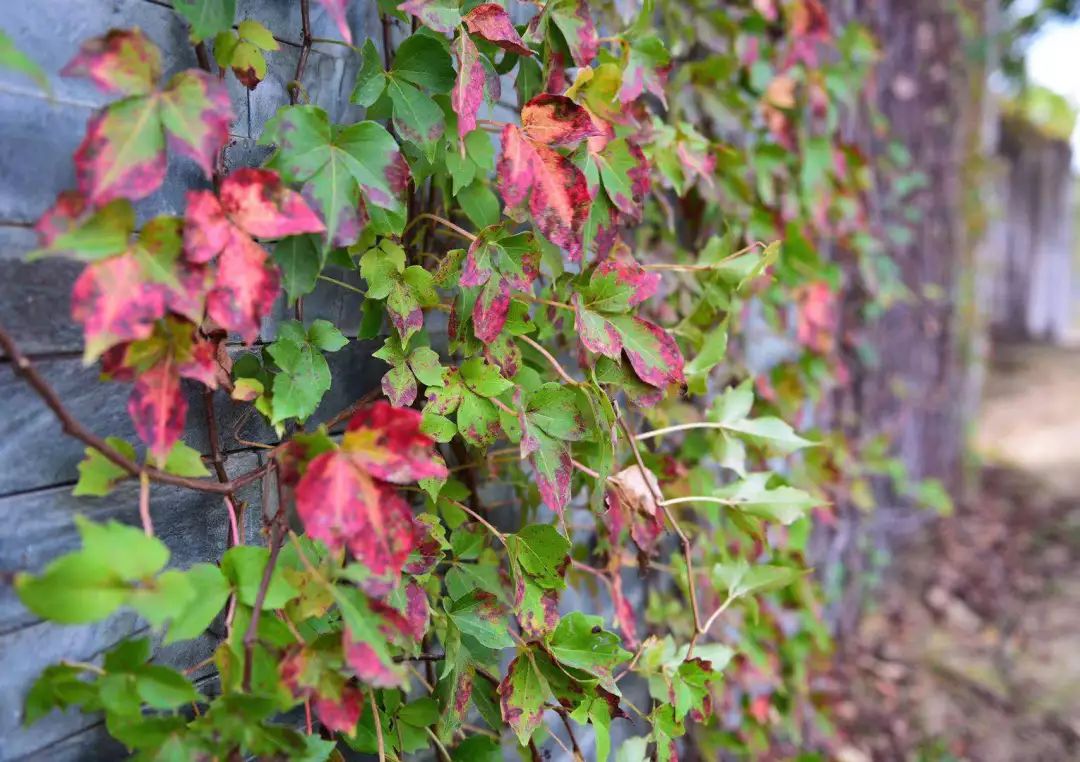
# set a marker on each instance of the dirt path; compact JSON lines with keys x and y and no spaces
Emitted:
{"x":974,"y":650}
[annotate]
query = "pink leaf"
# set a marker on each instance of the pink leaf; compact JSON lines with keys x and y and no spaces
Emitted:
{"x":557,"y":120}
{"x":115,"y":303}
{"x":336,"y":9}
{"x":123,"y":61}
{"x":468,"y":94}
{"x":386,"y":441}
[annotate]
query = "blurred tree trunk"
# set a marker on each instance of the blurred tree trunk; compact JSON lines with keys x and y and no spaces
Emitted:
{"x":909,"y":365}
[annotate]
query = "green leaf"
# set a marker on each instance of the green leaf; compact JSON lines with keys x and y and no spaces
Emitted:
{"x":424,"y":362}
{"x":97,"y":474}
{"x":580,"y":641}
{"x":541,"y":551}
{"x":166,"y":598}
{"x":304,"y":379}
{"x":783,"y":504}
{"x":211,"y":592}
{"x":106,"y":232}
{"x":477,"y":420}
{"x":125,"y":551}
{"x":558,"y":411}
{"x":371,"y":79}
{"x":424,"y":61}
{"x":483,"y":378}
{"x":326,"y":336}
{"x":243,"y":565}
{"x":417,"y":118}
{"x":185,"y":461}
{"x":380,"y":266}
{"x":738,"y":579}
{"x":164,"y":688}
{"x":206,"y":17}
{"x":73,"y":589}
{"x":58,"y":687}
{"x":480,"y":615}
{"x":480,"y":204}
{"x":14,"y":59}
{"x":257,"y":34}
{"x":301,"y":259}
{"x":523,"y":692}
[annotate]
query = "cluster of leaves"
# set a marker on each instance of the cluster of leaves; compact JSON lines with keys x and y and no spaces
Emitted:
{"x":601,"y":223}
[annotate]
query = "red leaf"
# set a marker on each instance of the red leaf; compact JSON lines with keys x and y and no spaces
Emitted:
{"x":258,"y":202}
{"x":62,"y":217}
{"x":245,"y":288}
{"x":387,"y":442}
{"x":658,"y":362}
{"x":123,"y":61}
{"x":158,"y":408}
{"x":340,"y":715}
{"x":492,"y":22}
{"x":468,"y":94}
{"x":557,"y":191}
{"x":115,"y":303}
{"x":557,"y":120}
{"x":643,"y":282}
{"x":336,"y":9}
{"x":202,"y":363}
{"x":490,"y":310}
{"x":624,"y":612}
{"x":416,"y":611}
{"x":367,"y":665}
{"x":341,"y":505}
{"x":576,"y":23}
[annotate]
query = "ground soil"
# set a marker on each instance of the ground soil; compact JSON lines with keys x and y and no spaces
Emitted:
{"x":972,"y":649}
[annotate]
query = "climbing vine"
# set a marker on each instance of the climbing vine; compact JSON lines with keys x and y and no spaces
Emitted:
{"x":573,"y":509}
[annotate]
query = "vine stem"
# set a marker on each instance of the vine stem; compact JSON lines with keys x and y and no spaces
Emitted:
{"x":443,"y":753}
{"x":219,"y":465}
{"x":488,"y":525}
{"x":672,"y":267}
{"x":378,"y":725}
{"x":700,"y":499}
{"x":714,"y":616}
{"x":144,"y":504}
{"x":72,"y":427}
{"x":442,"y":221}
{"x":687,"y":549}
{"x":680,"y":427}
{"x":548,"y":302}
{"x":342,"y":284}
{"x":552,"y":361}
{"x":305,"y":50}
{"x":277,"y":539}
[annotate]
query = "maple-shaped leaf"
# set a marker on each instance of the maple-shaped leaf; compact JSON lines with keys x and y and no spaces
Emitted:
{"x":387,"y":442}
{"x":573,"y":19}
{"x":557,"y":120}
{"x":551,"y":419}
{"x":123,"y":61}
{"x":71,"y":228}
{"x":440,"y":15}
{"x":343,"y":168}
{"x":502,"y":264}
{"x":158,"y":408}
{"x":605,"y":327}
{"x":123,"y":153}
{"x":399,"y":383}
{"x":336,"y":10}
{"x":407,"y":290}
{"x":554,"y":187}
{"x":250,"y":202}
{"x":468,"y":93}
{"x":522,"y":694}
{"x":492,"y":22}
{"x":115,"y":302}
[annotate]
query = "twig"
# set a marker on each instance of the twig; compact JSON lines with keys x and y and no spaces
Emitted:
{"x":73,"y":428}
{"x":378,"y":725}
{"x":219,"y":465}
{"x":277,"y":538}
{"x":713,"y":617}
{"x":348,"y":412}
{"x":681,"y":427}
{"x":683,"y":539}
{"x":700,"y":499}
{"x":305,"y":49}
{"x":481,"y":519}
{"x":570,"y":732}
{"x":701,"y":268}
{"x":548,"y":302}
{"x":442,"y":221}
{"x":443,"y":753}
{"x":343,"y":284}
{"x":552,"y":361}
{"x":144,"y":504}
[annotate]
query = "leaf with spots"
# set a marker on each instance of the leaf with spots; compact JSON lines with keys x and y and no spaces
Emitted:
{"x":555,"y":189}
{"x":345,"y":169}
{"x":468,"y":93}
{"x":158,"y":408}
{"x":574,"y":20}
{"x":439,"y":15}
{"x":556,"y":120}
{"x":522,"y":694}
{"x":492,"y":22}
{"x":580,"y":642}
{"x":417,"y":118}
{"x":501,"y":265}
{"x":123,"y":153}
{"x":387,"y":443}
{"x":646,"y":69}
{"x":123,"y":61}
